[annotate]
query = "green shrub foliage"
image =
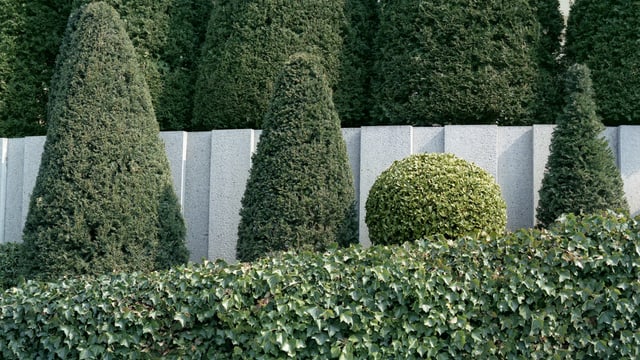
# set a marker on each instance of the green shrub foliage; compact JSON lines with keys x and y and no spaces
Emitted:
{"x":458,"y":62}
{"x":429,"y":194}
{"x":352,"y":94}
{"x":604,"y":36}
{"x":300,"y":192}
{"x":166,"y":34}
{"x":247,"y":43}
{"x":569,"y":293}
{"x":581,"y":173}
{"x":9,"y":265}
{"x":551,"y":66}
{"x":103,"y":197}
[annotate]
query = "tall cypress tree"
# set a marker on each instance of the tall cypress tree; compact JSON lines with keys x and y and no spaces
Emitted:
{"x":604,"y":36}
{"x":300,"y":192}
{"x":581,"y":174}
{"x":457,"y":62}
{"x":103,"y":199}
{"x":247,"y":41}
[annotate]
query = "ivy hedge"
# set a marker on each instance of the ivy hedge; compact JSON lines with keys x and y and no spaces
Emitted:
{"x":570,"y":292}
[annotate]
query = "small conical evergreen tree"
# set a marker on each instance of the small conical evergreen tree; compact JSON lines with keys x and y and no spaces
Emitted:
{"x":604,"y":36}
{"x":581,"y":174}
{"x":103,"y":199}
{"x":300,"y":192}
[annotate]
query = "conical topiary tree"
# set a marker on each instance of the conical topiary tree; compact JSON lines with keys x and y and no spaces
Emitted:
{"x":457,"y":62}
{"x":300,"y":192}
{"x":246,"y":44}
{"x":103,"y":199}
{"x":581,"y":174}
{"x":604,"y":36}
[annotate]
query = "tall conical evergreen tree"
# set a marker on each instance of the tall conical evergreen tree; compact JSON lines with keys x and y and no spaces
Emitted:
{"x":604,"y":36}
{"x":103,"y":199}
{"x":300,"y":192}
{"x":247,"y":41}
{"x":581,"y":174}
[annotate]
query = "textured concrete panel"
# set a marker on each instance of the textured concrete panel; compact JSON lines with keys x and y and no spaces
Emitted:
{"x":380,"y":146}
{"x":629,"y":151}
{"x":541,"y":142}
{"x":15,"y":169}
{"x":33,"y":147}
{"x":515,"y":170}
{"x":175,"y":145}
{"x":475,"y":143}
{"x":231,"y":152}
{"x":196,"y":194}
{"x":428,"y":140}
{"x":4,"y":149}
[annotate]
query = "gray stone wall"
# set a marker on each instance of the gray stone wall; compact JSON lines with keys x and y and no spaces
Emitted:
{"x":210,"y":170}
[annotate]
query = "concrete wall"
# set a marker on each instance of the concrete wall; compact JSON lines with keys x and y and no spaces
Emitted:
{"x":210,"y":170}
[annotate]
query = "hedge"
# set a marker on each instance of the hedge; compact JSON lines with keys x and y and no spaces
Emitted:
{"x":604,"y":36}
{"x":568,"y":293}
{"x":247,"y":42}
{"x":167,"y":36}
{"x":460,"y":62}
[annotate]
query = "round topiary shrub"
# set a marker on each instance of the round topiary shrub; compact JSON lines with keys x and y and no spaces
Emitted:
{"x":429,"y":194}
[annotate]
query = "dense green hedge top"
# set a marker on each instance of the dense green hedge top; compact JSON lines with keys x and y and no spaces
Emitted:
{"x":457,"y":61}
{"x":568,"y":293}
{"x":604,"y":35}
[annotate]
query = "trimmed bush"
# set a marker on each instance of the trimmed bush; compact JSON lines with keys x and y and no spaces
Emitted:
{"x":430,"y":194}
{"x":103,"y":199}
{"x":247,"y":43}
{"x":604,"y":36}
{"x":9,"y":264}
{"x":300,"y":192}
{"x":571,"y":292}
{"x":166,"y":34}
{"x":458,"y":62}
{"x":581,"y":173}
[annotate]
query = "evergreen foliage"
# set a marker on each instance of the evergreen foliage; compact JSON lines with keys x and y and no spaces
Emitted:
{"x":549,"y":97}
{"x":352,"y":94}
{"x":32,"y":31}
{"x":458,"y":62}
{"x":300,"y":192}
{"x":166,"y":34}
{"x":103,"y":198}
{"x":9,"y":264}
{"x":246,"y":44}
{"x":581,"y":174}
{"x":433,"y":194}
{"x":604,"y":36}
